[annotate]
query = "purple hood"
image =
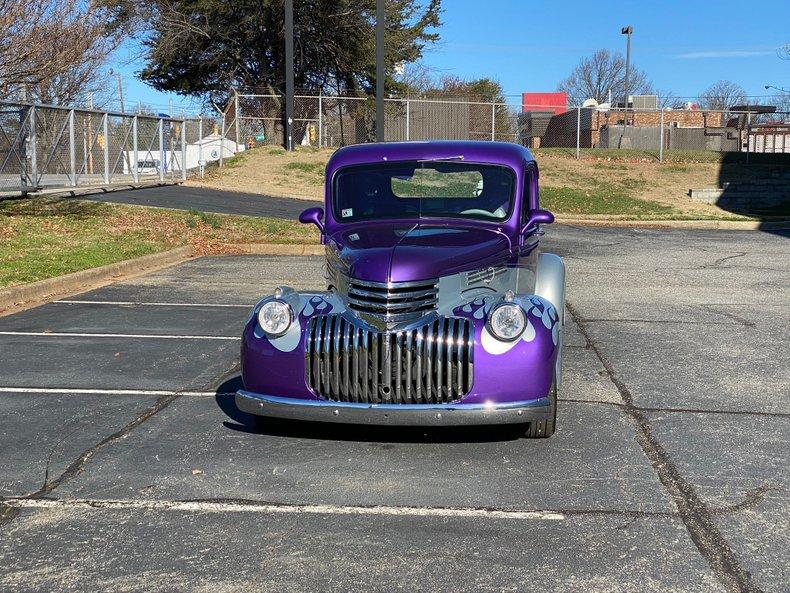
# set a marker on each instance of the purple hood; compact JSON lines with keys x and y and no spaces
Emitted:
{"x":410,"y":251}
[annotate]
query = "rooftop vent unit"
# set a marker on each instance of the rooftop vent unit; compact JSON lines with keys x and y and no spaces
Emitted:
{"x":644,"y":101}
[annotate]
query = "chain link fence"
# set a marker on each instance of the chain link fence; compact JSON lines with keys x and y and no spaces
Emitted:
{"x":333,"y":121}
{"x":46,"y":147}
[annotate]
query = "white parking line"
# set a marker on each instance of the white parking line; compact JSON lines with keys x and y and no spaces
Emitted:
{"x":153,"y":304}
{"x":81,"y":391}
{"x":98,"y":335}
{"x":317,"y":509}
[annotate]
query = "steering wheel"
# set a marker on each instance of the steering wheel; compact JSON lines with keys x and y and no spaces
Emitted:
{"x":498,"y":213}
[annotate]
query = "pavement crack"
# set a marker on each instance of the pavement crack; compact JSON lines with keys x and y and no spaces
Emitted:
{"x":664,"y":321}
{"x":752,"y":499}
{"x":694,"y":513}
{"x":716,"y":263}
{"x":76,"y":466}
{"x":52,"y":451}
{"x":7,"y":512}
{"x":739,"y":319}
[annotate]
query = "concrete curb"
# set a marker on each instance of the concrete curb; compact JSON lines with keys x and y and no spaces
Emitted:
{"x":17,"y":298}
{"x":94,"y":189}
{"x":709,"y":225}
{"x":276,"y":248}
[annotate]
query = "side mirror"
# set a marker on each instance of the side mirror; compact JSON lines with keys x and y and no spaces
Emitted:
{"x":537,"y":217}
{"x":313,"y":216}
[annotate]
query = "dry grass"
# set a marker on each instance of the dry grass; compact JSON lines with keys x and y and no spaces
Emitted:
{"x":272,"y":171}
{"x":596,"y":185}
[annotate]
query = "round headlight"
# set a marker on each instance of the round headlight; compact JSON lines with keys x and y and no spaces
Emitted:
{"x":275,"y":317}
{"x":507,"y":321}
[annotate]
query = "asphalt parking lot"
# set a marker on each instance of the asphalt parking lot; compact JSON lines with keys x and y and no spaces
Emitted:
{"x":124,"y":465}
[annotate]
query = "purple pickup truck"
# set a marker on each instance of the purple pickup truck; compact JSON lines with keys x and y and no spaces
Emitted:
{"x":440,"y":308}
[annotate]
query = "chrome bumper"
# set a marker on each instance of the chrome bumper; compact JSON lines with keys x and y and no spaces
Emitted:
{"x":393,"y":414}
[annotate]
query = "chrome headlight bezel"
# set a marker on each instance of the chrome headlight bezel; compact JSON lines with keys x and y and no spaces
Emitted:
{"x":521,"y":314}
{"x":275,"y":303}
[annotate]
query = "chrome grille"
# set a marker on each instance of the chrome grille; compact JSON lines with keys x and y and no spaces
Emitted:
{"x":427,"y":365}
{"x":395,"y":301}
{"x":485,"y":275}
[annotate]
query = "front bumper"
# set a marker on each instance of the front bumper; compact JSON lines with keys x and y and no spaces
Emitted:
{"x":393,"y":414}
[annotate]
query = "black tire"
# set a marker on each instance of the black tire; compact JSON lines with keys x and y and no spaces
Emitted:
{"x":543,"y":429}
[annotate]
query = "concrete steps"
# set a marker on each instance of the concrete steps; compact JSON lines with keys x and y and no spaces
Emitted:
{"x":765,"y":192}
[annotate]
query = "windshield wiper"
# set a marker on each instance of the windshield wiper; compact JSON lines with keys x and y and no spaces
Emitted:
{"x":460,"y":157}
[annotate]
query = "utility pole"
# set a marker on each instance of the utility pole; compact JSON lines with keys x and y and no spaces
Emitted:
{"x":89,"y":143}
{"x":627,"y":31}
{"x":289,"y":74}
{"x":123,"y":110}
{"x":380,"y":17}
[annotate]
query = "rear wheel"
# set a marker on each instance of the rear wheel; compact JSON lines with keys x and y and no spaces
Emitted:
{"x":543,"y":429}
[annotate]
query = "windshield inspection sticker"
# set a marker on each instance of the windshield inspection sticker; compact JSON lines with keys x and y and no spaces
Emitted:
{"x":346,"y":212}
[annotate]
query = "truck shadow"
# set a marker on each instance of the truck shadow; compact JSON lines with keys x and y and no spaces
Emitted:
{"x":759,"y":189}
{"x":248,"y":423}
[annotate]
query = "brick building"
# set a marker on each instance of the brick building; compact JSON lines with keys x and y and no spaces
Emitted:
{"x":561,"y":130}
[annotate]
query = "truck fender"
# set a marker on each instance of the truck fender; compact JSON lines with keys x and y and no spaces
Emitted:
{"x":550,"y":284}
{"x":550,"y":281}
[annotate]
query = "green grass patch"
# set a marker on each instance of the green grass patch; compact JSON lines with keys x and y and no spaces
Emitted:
{"x":310,"y":168}
{"x":676,"y":168}
{"x":237,"y":160}
{"x":604,"y":199}
{"x":46,"y":237}
{"x":212,"y":220}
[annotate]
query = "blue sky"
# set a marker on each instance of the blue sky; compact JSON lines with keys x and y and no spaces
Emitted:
{"x":530,"y":46}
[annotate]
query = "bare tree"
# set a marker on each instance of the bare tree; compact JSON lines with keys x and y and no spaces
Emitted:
{"x":722,"y":95}
{"x":782,"y":103}
{"x":596,"y":76}
{"x":416,"y":78}
{"x":784,"y":51}
{"x":52,"y":50}
{"x":666,"y":98}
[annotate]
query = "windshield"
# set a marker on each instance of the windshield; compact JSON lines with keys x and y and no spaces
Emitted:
{"x":423,"y":189}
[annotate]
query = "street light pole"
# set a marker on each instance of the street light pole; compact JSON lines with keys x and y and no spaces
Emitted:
{"x":120,"y":87}
{"x":627,"y":31}
{"x":380,"y":70}
{"x":289,"y":74}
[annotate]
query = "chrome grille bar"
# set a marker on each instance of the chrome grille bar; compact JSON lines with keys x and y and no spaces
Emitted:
{"x":420,"y":353}
{"x":408,"y":344}
{"x":449,"y":358}
{"x":429,"y":364}
{"x":397,"y":361}
{"x":393,"y":301}
{"x":336,"y":332}
{"x":355,"y":363}
{"x":363,"y":361}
